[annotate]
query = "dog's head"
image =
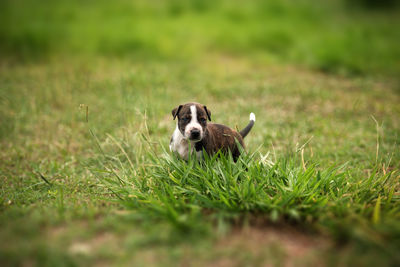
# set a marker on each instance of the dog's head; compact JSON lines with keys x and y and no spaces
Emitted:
{"x":192,"y":120}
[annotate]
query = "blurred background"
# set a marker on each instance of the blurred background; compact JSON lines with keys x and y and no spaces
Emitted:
{"x":322,"y":78}
{"x":336,"y":36}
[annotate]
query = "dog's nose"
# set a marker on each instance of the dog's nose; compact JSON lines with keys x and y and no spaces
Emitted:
{"x":194,"y":134}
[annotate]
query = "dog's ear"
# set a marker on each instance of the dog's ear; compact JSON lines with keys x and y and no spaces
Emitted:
{"x":208,"y":112}
{"x":175,"y":111}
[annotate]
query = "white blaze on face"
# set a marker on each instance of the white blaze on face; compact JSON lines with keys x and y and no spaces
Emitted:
{"x":194,"y":124}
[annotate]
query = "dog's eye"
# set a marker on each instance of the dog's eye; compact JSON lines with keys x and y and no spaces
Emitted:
{"x":203,"y":120}
{"x":185,"y":119}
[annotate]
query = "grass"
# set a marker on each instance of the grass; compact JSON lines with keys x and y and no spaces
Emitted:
{"x":85,"y":122}
{"x":180,"y":191}
{"x":345,"y":194}
{"x":329,"y":36}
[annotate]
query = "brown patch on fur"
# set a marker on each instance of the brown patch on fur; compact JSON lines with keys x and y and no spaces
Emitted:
{"x":220,"y":137}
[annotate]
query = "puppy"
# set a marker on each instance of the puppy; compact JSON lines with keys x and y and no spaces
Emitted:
{"x":192,"y":127}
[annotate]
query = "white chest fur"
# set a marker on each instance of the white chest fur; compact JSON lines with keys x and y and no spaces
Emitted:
{"x":181,"y":145}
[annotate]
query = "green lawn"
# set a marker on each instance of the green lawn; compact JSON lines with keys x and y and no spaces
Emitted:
{"x":86,"y":93}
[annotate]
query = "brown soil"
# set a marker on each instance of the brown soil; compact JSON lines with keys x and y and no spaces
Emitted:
{"x":271,"y":245}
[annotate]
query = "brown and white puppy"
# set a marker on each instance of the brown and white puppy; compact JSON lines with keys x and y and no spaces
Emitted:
{"x":192,"y":128}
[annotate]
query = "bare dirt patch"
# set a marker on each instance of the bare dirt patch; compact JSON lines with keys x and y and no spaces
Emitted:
{"x":270,"y":245}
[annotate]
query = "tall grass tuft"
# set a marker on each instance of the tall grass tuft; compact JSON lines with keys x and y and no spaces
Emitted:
{"x":189,"y":195}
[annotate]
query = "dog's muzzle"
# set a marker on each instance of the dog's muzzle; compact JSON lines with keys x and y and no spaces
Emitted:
{"x":194,"y":135}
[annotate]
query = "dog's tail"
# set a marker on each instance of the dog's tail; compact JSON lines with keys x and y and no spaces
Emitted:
{"x":247,"y":129}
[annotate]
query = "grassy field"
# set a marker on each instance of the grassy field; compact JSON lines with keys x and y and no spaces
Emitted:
{"x":86,"y":93}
